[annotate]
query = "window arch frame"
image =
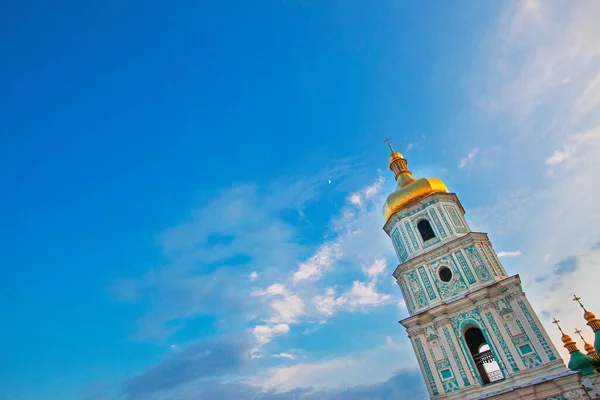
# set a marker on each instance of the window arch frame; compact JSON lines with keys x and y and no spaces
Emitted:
{"x":421,"y":233}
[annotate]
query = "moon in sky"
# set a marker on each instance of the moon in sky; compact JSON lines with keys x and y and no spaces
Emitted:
{"x":329,"y":181}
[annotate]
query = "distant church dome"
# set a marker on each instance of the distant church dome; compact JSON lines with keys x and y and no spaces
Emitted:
{"x":589,"y":316}
{"x":409,"y":190}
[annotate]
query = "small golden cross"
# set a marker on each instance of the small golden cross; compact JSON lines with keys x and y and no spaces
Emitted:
{"x":555,"y":321}
{"x":387,"y":140}
{"x":575,"y":298}
{"x":577,"y":331}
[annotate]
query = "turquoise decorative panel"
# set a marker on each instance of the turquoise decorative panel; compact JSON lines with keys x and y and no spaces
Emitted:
{"x":446,"y":374}
{"x":427,"y":283}
{"x":525,"y":349}
{"x":407,"y":299}
{"x":530,"y":358}
{"x":457,"y":360}
{"x":498,"y":336}
{"x":465,"y":267}
{"x":478,"y":264}
{"x":456,"y":285}
{"x":402,"y":253}
{"x":405,"y":238}
{"x":481,"y":251}
{"x":459,"y":227}
{"x":557,"y":397}
{"x":436,"y":221}
{"x":417,"y":210}
{"x":537,"y":331}
{"x":449,"y":384}
{"x":445,"y":220}
{"x":412,"y":236}
{"x":494,"y":259}
{"x":426,"y":367}
{"x":416,"y":289}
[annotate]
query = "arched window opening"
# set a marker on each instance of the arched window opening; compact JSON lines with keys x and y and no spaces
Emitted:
{"x":486,"y":365}
{"x":425,"y":230}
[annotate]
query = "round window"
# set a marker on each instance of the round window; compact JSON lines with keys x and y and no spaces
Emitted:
{"x":445,"y":274}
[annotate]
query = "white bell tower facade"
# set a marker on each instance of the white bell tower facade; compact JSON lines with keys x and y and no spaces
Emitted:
{"x":472,"y":328}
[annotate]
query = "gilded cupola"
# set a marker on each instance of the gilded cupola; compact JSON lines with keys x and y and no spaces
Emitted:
{"x":409,"y":189}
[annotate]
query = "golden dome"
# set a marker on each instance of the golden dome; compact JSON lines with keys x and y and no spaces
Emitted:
{"x":566,"y":339}
{"x":395,"y":156}
{"x":589,"y":316}
{"x":409,"y":190}
{"x":588,"y":347}
{"x":410,"y":193}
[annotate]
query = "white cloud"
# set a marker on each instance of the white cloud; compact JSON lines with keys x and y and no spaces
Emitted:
{"x":314,"y":267}
{"x":287,"y":309}
{"x":509,"y":253}
{"x":374,"y":188}
{"x":557,"y":157}
{"x":351,"y":243}
{"x":376,"y":268}
{"x":274,"y":289}
{"x":253,"y":275}
{"x":264,"y":333}
{"x":285,"y":355}
{"x":285,"y":305}
{"x":328,"y":304}
{"x":375,"y":365}
{"x":356,"y":199}
{"x":365,"y":294}
{"x":468,"y":159}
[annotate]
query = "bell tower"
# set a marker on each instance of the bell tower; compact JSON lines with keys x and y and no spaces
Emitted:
{"x":472,"y":328}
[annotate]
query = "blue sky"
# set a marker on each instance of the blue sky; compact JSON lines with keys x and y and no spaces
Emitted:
{"x":192,"y":193}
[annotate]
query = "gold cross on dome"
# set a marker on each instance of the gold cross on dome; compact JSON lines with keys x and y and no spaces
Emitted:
{"x":577,"y":299}
{"x":555,"y":321}
{"x":387,"y":140}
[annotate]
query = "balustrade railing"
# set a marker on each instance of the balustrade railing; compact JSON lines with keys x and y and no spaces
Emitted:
{"x":495,"y":375}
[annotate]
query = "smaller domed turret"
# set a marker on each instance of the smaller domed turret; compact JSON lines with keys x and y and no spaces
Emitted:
{"x":589,"y":349}
{"x":592,"y":322}
{"x":578,"y":361}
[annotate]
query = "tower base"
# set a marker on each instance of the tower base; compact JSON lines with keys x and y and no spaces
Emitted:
{"x":562,"y":386}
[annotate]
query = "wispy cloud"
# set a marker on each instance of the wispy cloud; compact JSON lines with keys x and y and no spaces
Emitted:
{"x":509,"y":253}
{"x":558,"y":157}
{"x":285,"y":355}
{"x":205,"y":359}
{"x":468,"y":159}
{"x":314,"y":267}
{"x":212,"y":255}
{"x":351,"y":243}
{"x":366,"y":367}
{"x":538,"y":92}
{"x":567,"y":266}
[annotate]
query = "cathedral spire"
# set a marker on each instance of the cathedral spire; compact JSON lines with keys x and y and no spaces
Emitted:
{"x":399,"y":166}
{"x":570,"y":344}
{"x":592,"y":322}
{"x":589,"y":349}
{"x":409,"y":189}
{"x":578,"y":361}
